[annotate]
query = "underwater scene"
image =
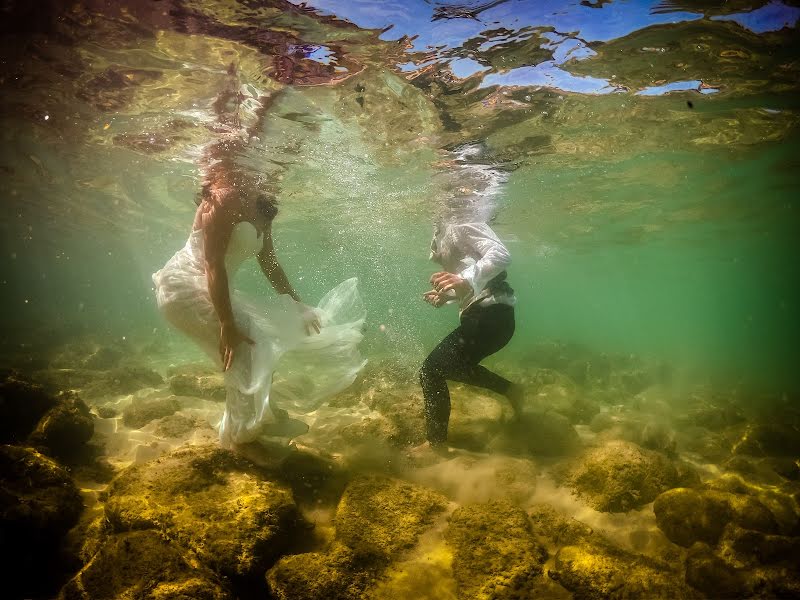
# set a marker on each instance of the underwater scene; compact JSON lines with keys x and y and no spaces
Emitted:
{"x":400,"y":299}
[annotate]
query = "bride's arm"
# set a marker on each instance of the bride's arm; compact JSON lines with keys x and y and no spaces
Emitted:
{"x":272,"y":269}
{"x":277,"y":277}
{"x":217,"y":228}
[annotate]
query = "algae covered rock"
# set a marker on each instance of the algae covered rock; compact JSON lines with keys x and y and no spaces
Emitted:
{"x":619,"y":476}
{"x":773,"y":439}
{"x":687,"y":516}
{"x":208,"y":385}
{"x":339,"y":574}
{"x":65,"y":429}
{"x":143,"y":410}
{"x":22,"y":404}
{"x":141,"y":564}
{"x":38,"y":505}
{"x":495,"y":554}
{"x":379,"y":516}
{"x":557,"y":528}
{"x":708,"y":573}
{"x":121,"y":380}
{"x":598,"y":570}
{"x":210,"y":501}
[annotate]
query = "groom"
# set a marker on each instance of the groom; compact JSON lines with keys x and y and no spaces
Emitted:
{"x":474,"y":263}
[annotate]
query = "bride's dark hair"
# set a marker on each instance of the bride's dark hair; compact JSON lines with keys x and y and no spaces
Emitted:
{"x":267,"y":206}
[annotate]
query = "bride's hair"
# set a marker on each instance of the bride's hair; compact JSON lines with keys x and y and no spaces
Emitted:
{"x":267,"y":205}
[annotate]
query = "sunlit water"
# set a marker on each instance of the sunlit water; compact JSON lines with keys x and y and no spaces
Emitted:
{"x":639,"y":159}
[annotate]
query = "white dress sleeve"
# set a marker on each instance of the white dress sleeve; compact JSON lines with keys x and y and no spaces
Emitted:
{"x":477,"y":240}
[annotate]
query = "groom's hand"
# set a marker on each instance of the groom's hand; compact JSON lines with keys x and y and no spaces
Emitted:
{"x":443,"y":282}
{"x":434,"y":299}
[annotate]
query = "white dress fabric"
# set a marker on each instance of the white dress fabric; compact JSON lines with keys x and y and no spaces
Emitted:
{"x":286,"y":368}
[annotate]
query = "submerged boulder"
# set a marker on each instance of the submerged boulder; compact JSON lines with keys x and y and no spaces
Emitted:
{"x":143,"y":410}
{"x":708,"y":573}
{"x":619,"y":476}
{"x":22,"y":404}
{"x":339,"y":574}
{"x":495,"y":554}
{"x":772,"y":439}
{"x":687,"y":516}
{"x":142,"y":564}
{"x":206,"y":385}
{"x":211,"y":501}
{"x":65,"y":429}
{"x":379,"y":516}
{"x":39,"y":503}
{"x":121,"y":380}
{"x":597,"y":569}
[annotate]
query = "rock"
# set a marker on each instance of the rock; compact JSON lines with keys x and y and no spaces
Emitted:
{"x":687,"y":516}
{"x":122,"y":380}
{"x":749,"y":548}
{"x":711,"y":575}
{"x":65,"y":429}
{"x":774,"y":439}
{"x":339,"y":574}
{"x":314,"y":479}
{"x":381,"y":517}
{"x":107,"y":412}
{"x":557,"y":528}
{"x":22,"y":404}
{"x":104,"y":358}
{"x":475,"y":418}
{"x":783,"y":507}
{"x":142,"y":564}
{"x":143,"y":410}
{"x":538,"y":434}
{"x":619,"y":476}
{"x":494,"y":552}
{"x":713,"y":416}
{"x":210,"y":501}
{"x":210,"y":386}
{"x":38,"y":505}
{"x":177,"y":426}
{"x":599,"y":570}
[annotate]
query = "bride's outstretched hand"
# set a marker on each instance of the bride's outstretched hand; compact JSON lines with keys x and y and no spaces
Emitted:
{"x":311,"y":320}
{"x":230,"y":336}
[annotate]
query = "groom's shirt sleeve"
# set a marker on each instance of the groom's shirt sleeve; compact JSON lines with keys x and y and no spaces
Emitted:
{"x":477,"y":240}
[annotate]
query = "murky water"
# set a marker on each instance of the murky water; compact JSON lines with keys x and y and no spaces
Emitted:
{"x":639,"y":159}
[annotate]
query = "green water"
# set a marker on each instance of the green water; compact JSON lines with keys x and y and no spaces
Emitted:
{"x":636,"y":224}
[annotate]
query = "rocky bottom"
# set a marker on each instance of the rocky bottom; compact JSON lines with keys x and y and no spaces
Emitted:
{"x":614,"y":483}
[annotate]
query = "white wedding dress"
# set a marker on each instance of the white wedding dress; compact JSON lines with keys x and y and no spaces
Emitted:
{"x":286,"y":368}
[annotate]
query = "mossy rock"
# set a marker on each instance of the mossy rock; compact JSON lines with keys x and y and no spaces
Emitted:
{"x":339,"y":574}
{"x":210,"y":501}
{"x":121,"y":380}
{"x":687,"y":516}
{"x":708,"y":573}
{"x":773,"y":439}
{"x":22,"y":404}
{"x":210,"y":386}
{"x":557,"y":528}
{"x":749,"y":548}
{"x":495,"y":555}
{"x":142,"y":564}
{"x":143,"y":410}
{"x":382,"y":517}
{"x":39,"y":503}
{"x":597,"y":570}
{"x":620,"y":476}
{"x":65,"y":429}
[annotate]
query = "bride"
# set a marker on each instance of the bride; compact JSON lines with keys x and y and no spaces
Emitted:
{"x":276,"y":351}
